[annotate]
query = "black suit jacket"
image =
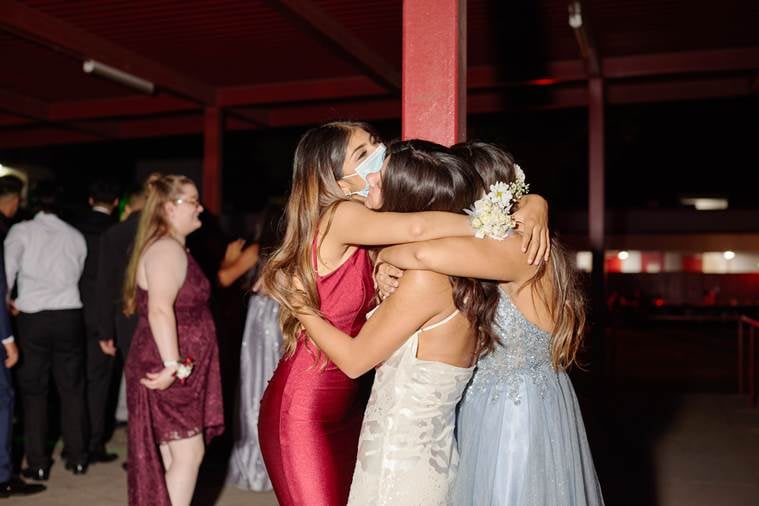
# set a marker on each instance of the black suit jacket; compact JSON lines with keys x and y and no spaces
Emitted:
{"x":92,"y":225}
{"x":115,"y":248}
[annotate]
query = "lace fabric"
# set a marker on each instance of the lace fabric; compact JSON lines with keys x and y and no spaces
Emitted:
{"x":407,"y":453}
{"x":182,"y":410}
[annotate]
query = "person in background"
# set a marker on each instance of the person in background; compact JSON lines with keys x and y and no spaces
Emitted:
{"x":46,"y":257}
{"x":259,"y":354}
{"x":172,"y":373}
{"x":10,"y":198}
{"x":10,"y":485}
{"x":115,"y":329}
{"x":103,"y":198}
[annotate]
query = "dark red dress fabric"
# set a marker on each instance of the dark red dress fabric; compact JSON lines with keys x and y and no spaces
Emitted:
{"x":310,"y":417}
{"x":182,"y":410}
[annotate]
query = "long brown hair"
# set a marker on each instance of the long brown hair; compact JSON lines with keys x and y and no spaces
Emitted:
{"x":566,"y":304}
{"x":317,"y":167}
{"x":424,"y":176}
{"x":153,"y":226}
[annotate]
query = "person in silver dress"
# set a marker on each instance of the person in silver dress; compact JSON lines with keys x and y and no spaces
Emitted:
{"x":259,"y":353}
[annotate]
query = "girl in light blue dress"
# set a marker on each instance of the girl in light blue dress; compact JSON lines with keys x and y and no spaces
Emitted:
{"x":520,"y":432}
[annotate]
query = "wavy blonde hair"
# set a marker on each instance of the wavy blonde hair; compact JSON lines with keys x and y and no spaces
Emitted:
{"x":153,"y":225}
{"x":317,"y":167}
{"x":566,"y":304}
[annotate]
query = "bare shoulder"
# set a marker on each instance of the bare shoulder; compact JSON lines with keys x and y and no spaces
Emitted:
{"x":166,"y":251}
{"x":416,"y":282}
{"x":348,"y":209}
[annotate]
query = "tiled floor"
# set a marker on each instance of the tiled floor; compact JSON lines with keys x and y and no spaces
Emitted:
{"x":686,"y":450}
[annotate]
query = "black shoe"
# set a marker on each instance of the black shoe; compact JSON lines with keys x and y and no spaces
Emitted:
{"x":102,"y":456}
{"x":17,"y":486}
{"x":36,"y":473}
{"x":80,"y":468}
{"x":125,"y":465}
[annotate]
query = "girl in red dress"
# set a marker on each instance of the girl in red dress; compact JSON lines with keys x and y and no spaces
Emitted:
{"x":311,"y":412}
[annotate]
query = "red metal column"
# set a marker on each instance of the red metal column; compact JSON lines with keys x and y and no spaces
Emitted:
{"x":434,"y":70}
{"x":596,"y":217}
{"x":596,"y":174}
{"x":213,"y":136}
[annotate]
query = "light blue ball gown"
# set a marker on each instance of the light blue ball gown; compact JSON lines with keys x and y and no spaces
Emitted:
{"x":520,"y":432}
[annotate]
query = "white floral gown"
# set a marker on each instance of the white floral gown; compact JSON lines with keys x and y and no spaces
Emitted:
{"x":406,"y":452}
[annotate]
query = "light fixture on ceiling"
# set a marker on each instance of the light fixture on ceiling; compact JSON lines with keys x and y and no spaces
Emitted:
{"x":623,"y":255}
{"x":705,"y":203}
{"x":119,"y":76}
{"x":728,"y":255}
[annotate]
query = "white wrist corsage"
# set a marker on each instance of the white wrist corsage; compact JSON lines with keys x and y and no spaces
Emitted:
{"x":491,"y":215}
{"x":184,"y":368}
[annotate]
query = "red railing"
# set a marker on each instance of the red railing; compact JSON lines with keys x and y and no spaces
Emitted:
{"x":742,"y":357}
{"x":751,"y":324}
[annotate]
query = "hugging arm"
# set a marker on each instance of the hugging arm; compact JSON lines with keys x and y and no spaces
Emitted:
{"x":355,"y":224}
{"x":467,"y":257}
{"x":532,"y":216}
{"x":391,"y":325}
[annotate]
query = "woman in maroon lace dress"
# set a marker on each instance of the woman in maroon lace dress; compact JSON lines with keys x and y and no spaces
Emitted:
{"x":171,"y":414}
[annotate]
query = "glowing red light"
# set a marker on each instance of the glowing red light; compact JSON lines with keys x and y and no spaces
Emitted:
{"x":547,"y":81}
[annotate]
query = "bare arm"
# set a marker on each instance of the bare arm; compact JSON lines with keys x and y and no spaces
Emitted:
{"x":467,"y":257}
{"x":229,"y":272}
{"x":165,"y":268}
{"x":355,"y":224}
{"x":394,"y":321}
{"x":532,"y":216}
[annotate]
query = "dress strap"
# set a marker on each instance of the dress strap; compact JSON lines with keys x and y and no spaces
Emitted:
{"x":441,"y":322}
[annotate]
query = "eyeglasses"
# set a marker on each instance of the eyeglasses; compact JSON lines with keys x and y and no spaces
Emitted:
{"x":193,"y":202}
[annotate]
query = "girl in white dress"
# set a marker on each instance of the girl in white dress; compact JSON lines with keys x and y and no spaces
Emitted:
{"x":423,"y":340}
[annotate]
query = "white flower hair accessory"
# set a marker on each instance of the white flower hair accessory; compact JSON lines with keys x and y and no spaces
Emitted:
{"x":491,"y":215}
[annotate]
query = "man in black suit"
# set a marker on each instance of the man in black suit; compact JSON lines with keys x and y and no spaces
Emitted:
{"x":114,"y":328}
{"x":103,"y":198}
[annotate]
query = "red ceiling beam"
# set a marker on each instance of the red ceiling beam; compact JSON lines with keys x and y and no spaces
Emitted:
{"x":685,"y":62}
{"x":36,"y":110}
{"x":61,"y":36}
{"x":308,"y":114}
{"x":479,"y":78}
{"x":298,"y":91}
{"x":14,"y":121}
{"x":23,"y":106}
{"x":328,"y":28}
{"x":695,"y":89}
{"x":479,"y":102}
{"x":556,"y":72}
{"x":42,"y":136}
{"x":119,"y":107}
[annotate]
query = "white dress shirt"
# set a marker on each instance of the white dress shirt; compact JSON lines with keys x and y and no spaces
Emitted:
{"x":48,"y":256}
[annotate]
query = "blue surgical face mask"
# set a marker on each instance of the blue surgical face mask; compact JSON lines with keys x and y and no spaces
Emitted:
{"x":372,"y":164}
